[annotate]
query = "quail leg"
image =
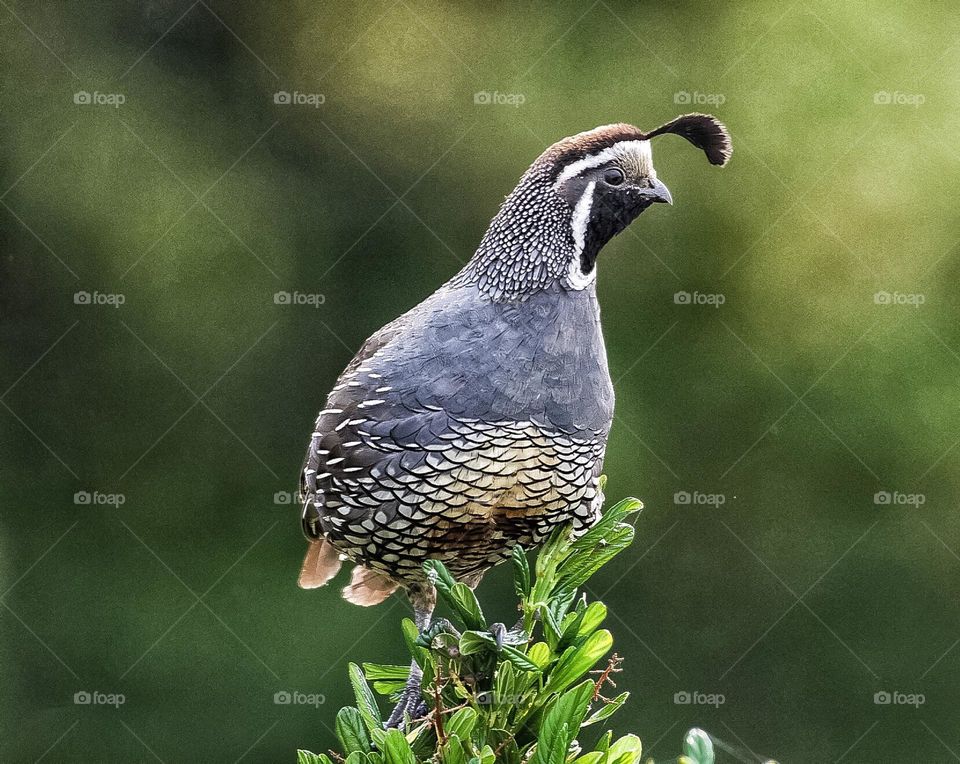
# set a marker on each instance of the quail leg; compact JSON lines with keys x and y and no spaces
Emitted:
{"x":411,"y":703}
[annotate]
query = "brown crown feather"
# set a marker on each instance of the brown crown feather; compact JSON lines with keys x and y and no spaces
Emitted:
{"x":702,"y":130}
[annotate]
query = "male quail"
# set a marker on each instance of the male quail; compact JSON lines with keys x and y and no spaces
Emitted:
{"x":478,"y":419}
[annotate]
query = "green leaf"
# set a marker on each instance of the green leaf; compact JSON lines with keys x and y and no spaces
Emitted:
{"x":584,"y":563}
{"x":608,"y":710}
{"x":559,"y":604}
{"x":410,"y":635}
{"x":396,"y":749}
{"x":465,"y":601}
{"x":439,"y":635}
{"x":518,"y":659}
{"x":386,"y":689}
{"x":540,"y":653}
{"x":416,"y":737}
{"x":603,"y":744}
{"x":487,"y":756}
{"x":563,"y":718}
{"x":453,"y":752}
{"x":611,"y":518}
{"x":504,"y":688}
{"x":553,"y":749}
{"x":366,"y":703}
{"x":521,"y":572}
{"x":571,"y":707}
{"x":577,"y":661}
{"x":473,"y":642}
{"x":569,"y":626}
{"x":626,"y":750}
{"x":439,"y":575}
{"x":595,"y":614}
{"x":461,"y":723}
{"x":698,"y":746}
{"x":351,"y":731}
{"x":594,"y":757}
{"x":551,"y":553}
{"x":375,"y":671}
{"x":551,"y":628}
{"x":306,"y":757}
{"x":459,"y":596}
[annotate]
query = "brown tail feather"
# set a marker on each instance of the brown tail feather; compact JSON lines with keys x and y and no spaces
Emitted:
{"x":368,"y":588}
{"x":320,"y":565}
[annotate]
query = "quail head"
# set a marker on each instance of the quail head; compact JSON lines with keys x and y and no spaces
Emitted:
{"x":478,"y":420}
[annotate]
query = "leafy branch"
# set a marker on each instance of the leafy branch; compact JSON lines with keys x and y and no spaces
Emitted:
{"x":508,"y":696}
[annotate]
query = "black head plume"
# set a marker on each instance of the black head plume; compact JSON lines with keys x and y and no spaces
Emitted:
{"x":703,"y":131}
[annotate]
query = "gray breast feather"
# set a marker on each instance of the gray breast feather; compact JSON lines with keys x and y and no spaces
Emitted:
{"x":431,"y":402}
{"x":541,"y":360}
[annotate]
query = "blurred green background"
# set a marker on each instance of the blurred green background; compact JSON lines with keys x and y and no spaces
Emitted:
{"x":786,"y":584}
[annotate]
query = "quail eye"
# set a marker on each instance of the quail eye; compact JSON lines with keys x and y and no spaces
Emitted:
{"x":613,"y":176}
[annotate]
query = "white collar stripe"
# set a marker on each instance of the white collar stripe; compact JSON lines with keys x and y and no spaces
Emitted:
{"x":576,"y":278}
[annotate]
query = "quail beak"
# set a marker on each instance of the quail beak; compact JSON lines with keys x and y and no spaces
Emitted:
{"x":655,"y":191}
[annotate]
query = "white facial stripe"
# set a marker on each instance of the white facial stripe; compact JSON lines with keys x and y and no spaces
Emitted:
{"x":576,"y":278}
{"x":634,"y":155}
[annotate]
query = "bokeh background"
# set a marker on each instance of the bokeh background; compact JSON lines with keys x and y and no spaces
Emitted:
{"x":153,"y":431}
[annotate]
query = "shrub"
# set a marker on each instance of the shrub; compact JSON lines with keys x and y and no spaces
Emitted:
{"x":526,"y":694}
